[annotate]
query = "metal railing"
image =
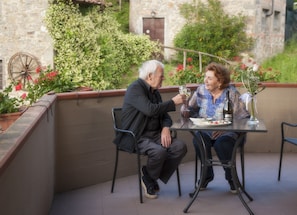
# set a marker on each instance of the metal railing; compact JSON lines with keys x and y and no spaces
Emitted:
{"x":199,"y":53}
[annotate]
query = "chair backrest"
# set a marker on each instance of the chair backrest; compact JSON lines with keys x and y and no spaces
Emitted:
{"x":116,"y":117}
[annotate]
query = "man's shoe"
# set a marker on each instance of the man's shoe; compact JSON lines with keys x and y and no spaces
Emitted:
{"x":156,"y":186}
{"x":145,"y":173}
{"x":232,"y":187}
{"x":148,"y":188}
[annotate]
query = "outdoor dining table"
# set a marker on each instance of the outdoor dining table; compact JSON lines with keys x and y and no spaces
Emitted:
{"x":242,"y":126}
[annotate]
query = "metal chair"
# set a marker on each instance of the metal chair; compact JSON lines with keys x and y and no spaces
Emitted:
{"x":116,"y":116}
{"x":291,"y":140}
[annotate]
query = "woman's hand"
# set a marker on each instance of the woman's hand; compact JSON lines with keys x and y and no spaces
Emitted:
{"x":216,"y":134}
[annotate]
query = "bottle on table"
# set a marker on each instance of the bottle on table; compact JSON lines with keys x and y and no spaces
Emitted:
{"x":228,"y":108}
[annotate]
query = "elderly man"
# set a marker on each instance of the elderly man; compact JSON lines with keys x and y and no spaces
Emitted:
{"x":145,"y":114}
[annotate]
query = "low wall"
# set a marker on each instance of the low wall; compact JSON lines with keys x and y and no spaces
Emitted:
{"x":65,"y":144}
{"x":27,"y":158}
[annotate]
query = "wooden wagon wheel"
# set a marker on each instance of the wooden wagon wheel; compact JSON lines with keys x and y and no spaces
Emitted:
{"x":22,"y":68}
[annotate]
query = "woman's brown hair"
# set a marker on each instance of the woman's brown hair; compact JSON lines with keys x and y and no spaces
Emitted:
{"x":221,"y":72}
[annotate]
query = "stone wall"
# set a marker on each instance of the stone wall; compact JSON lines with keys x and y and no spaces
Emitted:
{"x":168,"y":9}
{"x":267,"y":28}
{"x":265,"y":23}
{"x":22,"y":29}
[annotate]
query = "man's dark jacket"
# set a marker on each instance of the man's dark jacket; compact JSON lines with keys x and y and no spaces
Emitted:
{"x":137,"y":109}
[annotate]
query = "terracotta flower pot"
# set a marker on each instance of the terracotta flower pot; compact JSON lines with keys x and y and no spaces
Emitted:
{"x":8,"y":119}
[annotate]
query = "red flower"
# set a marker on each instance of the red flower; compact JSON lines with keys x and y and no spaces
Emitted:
{"x":51,"y":75}
{"x":18,"y":87}
{"x":189,"y":59}
{"x":179,"y":67}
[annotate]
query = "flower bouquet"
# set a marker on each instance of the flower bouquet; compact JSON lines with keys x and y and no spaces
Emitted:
{"x":253,"y":86}
{"x":251,"y":78}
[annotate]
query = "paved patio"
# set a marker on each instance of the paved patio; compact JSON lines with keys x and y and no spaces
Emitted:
{"x":270,"y":196}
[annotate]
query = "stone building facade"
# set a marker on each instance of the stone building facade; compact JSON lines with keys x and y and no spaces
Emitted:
{"x":265,"y":21}
{"x":22,"y":29}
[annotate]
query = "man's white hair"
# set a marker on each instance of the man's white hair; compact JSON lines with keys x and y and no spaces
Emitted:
{"x":149,"y":67}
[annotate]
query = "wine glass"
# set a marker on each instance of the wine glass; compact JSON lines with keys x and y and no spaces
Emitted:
{"x":183,"y":90}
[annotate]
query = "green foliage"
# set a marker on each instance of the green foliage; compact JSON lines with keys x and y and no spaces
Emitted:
{"x":121,"y":14}
{"x":8,"y":103}
{"x":209,"y":29}
{"x":285,"y":62}
{"x":90,"y":50}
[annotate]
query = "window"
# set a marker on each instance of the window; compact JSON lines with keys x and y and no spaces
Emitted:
{"x":276,"y":21}
{"x":1,"y":74}
{"x":264,"y":21}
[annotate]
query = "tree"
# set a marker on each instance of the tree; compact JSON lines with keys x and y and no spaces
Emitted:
{"x":209,"y":29}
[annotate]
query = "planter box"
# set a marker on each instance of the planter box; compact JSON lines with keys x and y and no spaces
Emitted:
{"x":8,"y":119}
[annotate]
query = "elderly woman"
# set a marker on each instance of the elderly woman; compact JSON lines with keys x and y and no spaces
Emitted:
{"x":208,"y":102}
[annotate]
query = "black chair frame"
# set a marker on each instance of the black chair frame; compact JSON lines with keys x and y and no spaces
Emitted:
{"x":284,"y":138}
{"x":116,"y":116}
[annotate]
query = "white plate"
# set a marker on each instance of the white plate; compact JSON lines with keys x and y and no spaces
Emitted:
{"x":204,"y":122}
{"x":197,"y":120}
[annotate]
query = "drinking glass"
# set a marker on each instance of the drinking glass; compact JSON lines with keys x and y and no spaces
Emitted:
{"x":185,"y":112}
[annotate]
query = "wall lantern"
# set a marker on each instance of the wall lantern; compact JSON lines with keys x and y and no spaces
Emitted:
{"x":153,"y":14}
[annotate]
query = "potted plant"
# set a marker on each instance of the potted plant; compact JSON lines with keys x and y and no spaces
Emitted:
{"x":48,"y":81}
{"x":11,"y":106}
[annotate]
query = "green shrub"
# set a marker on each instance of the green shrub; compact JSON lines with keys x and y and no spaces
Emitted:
{"x":209,"y":29}
{"x":90,"y":50}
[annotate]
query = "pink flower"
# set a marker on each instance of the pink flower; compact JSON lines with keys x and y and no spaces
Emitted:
{"x":243,"y":66}
{"x":29,"y":78}
{"x":23,"y":96}
{"x":171,"y":74}
{"x":237,"y":58}
{"x":38,"y":69}
{"x":190,"y":67}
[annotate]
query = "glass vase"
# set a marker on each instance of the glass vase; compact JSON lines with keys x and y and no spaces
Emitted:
{"x":253,"y":119}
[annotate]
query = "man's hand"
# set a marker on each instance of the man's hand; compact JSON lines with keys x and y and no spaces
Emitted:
{"x":165,"y":137}
{"x":179,"y":99}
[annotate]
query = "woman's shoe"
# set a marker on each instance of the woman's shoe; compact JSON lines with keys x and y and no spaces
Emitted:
{"x":203,"y":185}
